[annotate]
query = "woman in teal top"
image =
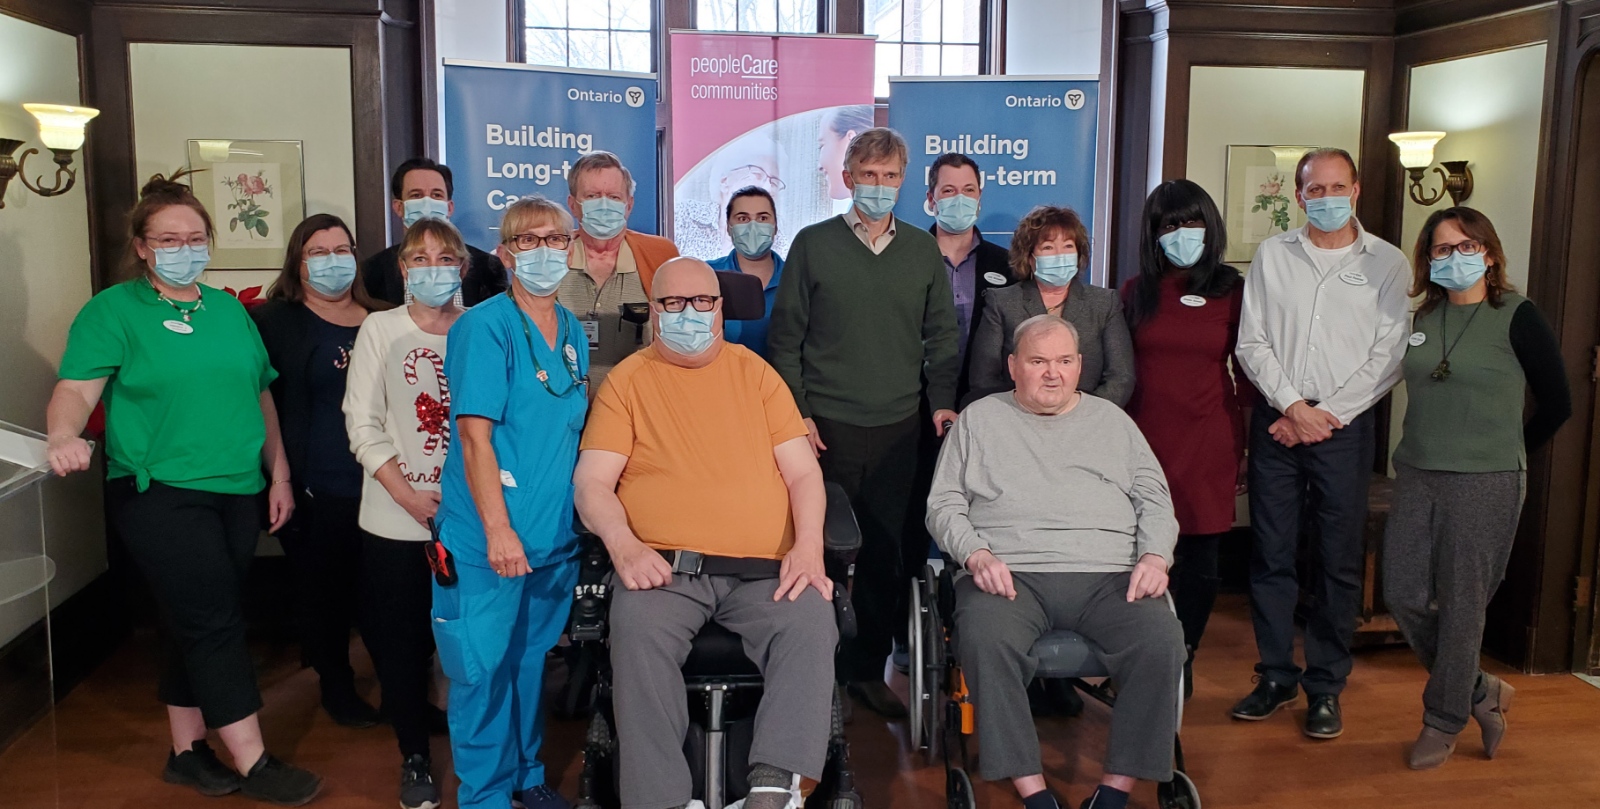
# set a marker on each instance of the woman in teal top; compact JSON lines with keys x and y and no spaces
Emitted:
{"x":517,"y":366}
{"x":1476,"y":346}
{"x":189,"y":429}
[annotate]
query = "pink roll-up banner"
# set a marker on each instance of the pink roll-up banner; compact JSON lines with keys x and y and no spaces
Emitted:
{"x":762,"y":110}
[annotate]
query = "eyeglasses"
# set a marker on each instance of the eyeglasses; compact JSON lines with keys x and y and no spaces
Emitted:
{"x":1470,"y":247}
{"x":759,"y":176}
{"x":702,"y":303}
{"x":528,"y":241}
{"x":198,"y":240}
{"x":318,"y":252}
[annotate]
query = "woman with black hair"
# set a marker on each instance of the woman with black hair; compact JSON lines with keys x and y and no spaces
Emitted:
{"x":1183,"y":309}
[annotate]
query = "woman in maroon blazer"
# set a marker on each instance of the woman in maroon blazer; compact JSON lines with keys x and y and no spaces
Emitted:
{"x":1183,"y":310}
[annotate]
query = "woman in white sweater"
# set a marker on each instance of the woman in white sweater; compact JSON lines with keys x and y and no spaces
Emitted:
{"x":397,"y":411}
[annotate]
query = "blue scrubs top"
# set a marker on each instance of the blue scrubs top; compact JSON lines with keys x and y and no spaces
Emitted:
{"x":492,"y":374}
{"x":751,"y":334}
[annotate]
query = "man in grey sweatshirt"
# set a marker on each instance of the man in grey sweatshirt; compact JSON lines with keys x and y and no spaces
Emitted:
{"x":1060,"y":516}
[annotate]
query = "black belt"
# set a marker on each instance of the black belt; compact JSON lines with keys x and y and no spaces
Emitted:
{"x":696,"y":563}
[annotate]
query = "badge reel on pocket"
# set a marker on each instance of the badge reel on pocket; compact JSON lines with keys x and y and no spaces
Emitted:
{"x":440,"y":561}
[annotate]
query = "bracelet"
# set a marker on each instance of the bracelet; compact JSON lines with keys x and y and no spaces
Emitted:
{"x":285,"y":480}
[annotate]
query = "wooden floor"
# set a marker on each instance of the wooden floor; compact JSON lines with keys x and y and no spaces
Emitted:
{"x":104,"y":747}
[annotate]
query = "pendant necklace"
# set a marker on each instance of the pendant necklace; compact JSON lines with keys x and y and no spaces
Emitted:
{"x":1441,"y":372}
{"x":186,"y":312}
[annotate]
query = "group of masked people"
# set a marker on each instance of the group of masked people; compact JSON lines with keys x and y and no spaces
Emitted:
{"x":1076,"y":453}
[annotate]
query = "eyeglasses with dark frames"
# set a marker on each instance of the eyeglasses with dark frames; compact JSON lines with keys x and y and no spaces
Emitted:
{"x":676,"y":303}
{"x":1470,"y":247}
{"x":528,"y":241}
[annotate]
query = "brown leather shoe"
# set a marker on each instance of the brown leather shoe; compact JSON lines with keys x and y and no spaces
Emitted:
{"x":875,"y":694}
{"x":1491,"y":712}
{"x":1432,"y":749}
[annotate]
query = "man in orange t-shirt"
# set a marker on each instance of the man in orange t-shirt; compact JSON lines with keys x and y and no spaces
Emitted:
{"x":696,"y":472}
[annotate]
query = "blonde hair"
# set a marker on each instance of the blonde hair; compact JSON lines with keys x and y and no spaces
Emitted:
{"x":531,"y":212}
{"x":440,"y":229}
{"x":876,"y":144}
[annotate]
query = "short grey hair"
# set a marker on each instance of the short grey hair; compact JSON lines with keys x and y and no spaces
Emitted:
{"x":1039,"y":324}
{"x":598,"y":160}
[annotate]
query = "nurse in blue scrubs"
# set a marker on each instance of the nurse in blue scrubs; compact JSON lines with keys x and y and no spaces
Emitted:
{"x":752,"y":224}
{"x":517,"y":365}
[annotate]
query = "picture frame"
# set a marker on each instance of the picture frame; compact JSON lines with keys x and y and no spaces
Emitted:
{"x":1258,"y":198}
{"x":255,"y":191}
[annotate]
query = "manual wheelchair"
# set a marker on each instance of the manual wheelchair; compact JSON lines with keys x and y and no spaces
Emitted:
{"x":942,"y":716}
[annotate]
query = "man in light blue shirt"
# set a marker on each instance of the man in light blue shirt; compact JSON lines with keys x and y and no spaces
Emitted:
{"x":752,"y":225}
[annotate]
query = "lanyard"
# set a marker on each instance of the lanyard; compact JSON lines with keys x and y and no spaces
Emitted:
{"x":568,"y":353}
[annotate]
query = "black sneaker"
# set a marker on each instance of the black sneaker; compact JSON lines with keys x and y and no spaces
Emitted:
{"x":417,"y":790}
{"x":200,"y":768}
{"x":273,"y":781}
{"x":543,"y":797}
{"x":1265,"y":700}
{"x":350,"y":710}
{"x":1322,"y":717}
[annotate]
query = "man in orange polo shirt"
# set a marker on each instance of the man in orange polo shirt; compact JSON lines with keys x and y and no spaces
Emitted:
{"x":695,"y":459}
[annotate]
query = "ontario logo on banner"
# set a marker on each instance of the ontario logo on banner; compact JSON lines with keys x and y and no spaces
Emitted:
{"x":512,"y":131}
{"x":1033,"y":137}
{"x":774,"y":112}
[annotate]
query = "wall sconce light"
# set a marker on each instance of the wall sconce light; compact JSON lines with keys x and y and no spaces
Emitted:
{"x":1416,"y":155}
{"x":61,"y":130}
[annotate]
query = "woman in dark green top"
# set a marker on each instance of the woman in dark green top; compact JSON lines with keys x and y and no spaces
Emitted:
{"x":1475,"y":347}
{"x":189,"y":429}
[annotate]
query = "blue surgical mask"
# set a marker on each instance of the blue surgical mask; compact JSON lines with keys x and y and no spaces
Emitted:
{"x":1328,"y":214}
{"x":687,"y":332}
{"x":541,"y":269}
{"x":433,"y":287}
{"x":180,"y":266}
{"x":604,"y":217}
{"x":1183,"y":246}
{"x":875,"y":201}
{"x":1456,"y":272}
{"x":753,"y":239}
{"x":956,"y":214}
{"x":425,"y":208}
{"x":1057,"y":270}
{"x":331,"y":274}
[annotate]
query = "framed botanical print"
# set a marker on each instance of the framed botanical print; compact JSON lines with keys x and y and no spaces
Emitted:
{"x":255,"y":191}
{"x":1258,"y":200}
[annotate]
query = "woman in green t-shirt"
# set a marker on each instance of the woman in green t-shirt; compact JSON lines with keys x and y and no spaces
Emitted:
{"x":189,"y":429}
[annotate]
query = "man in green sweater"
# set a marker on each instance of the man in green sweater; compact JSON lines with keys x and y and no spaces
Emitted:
{"x":863,"y":326}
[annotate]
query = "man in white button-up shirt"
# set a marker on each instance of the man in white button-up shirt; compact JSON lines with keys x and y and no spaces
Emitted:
{"x":1321,"y":336}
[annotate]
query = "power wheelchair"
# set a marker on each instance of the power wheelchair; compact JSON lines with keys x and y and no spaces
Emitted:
{"x":942,"y":716}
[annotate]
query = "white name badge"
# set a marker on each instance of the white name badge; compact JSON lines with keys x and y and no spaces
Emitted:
{"x":507,"y":480}
{"x":571,"y":353}
{"x":1352,"y":277}
{"x":1417,"y":338}
{"x":1192,"y":300}
{"x":995,"y":278}
{"x":591,"y":330}
{"x":178,"y":326}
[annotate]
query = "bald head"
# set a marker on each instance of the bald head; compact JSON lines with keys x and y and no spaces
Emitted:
{"x":1040,"y":327}
{"x":686,"y":277}
{"x":1044,"y":365}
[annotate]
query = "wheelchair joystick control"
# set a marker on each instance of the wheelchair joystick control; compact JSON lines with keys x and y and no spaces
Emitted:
{"x":588,"y":612}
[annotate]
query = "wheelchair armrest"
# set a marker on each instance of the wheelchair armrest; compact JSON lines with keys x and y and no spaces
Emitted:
{"x":591,"y":597}
{"x":844,"y":613}
{"x":841,"y":536}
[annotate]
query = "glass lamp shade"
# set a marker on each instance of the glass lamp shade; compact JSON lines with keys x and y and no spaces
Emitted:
{"x":1416,"y":148}
{"x":61,"y":127}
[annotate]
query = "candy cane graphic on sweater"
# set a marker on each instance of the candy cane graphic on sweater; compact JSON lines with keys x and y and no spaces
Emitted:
{"x":433,"y":415}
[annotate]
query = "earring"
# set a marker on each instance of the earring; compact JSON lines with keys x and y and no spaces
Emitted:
{"x":409,"y":297}
{"x":459,"y":301}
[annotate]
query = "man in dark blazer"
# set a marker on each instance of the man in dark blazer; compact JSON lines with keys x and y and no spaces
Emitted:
{"x":423,"y":188}
{"x":975,"y":266}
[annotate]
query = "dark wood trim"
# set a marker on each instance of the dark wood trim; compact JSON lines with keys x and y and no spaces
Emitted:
{"x":428,"y":33}
{"x":1413,"y":16}
{"x":1477,"y":37}
{"x":386,"y":125}
{"x":516,"y":31}
{"x":401,"y":9}
{"x":849,"y":17}
{"x":67,"y":16}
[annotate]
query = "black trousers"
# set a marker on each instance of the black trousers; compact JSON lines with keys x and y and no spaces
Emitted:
{"x":397,"y":598}
{"x":917,"y":543}
{"x":1194,"y":582}
{"x":877,"y":467}
{"x":1326,"y":483}
{"x":323,"y":544}
{"x":195,"y":549}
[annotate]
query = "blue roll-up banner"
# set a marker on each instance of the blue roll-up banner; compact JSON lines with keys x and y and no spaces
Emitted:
{"x":1034,"y":138}
{"x":513,"y":130}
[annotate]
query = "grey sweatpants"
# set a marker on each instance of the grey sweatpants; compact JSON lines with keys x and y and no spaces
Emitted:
{"x":1142,"y":643}
{"x":791,"y":642}
{"x":1444,"y":554}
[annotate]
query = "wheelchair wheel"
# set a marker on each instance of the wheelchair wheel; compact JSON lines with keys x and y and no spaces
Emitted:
{"x":1179,"y":793}
{"x":919,"y":661}
{"x":958,"y":792}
